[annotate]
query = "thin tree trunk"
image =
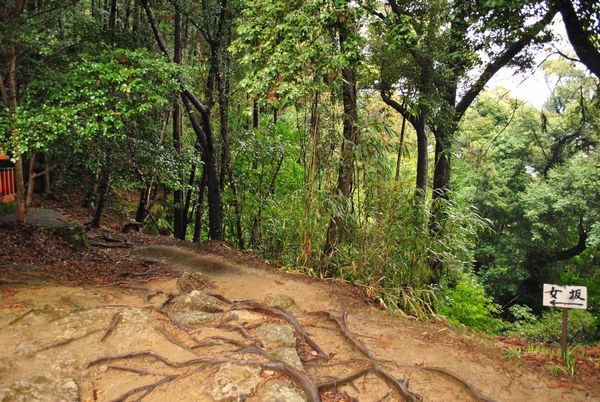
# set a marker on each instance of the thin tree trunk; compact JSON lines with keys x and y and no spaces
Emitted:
{"x":199,"y":210}
{"x":143,"y":206}
{"x":337,"y":228}
{"x":178,"y":201}
{"x":422,"y":157}
{"x":30,"y":178}
{"x":400,"y":148}
{"x":20,"y":187}
{"x":127,"y":16}
{"x":102,"y":192}
{"x":19,"y":172}
{"x":441,"y":175}
{"x":255,"y":114}
{"x":257,"y":218}
{"x":189,"y":193}
{"x":46,"y":175}
{"x":112,"y":19}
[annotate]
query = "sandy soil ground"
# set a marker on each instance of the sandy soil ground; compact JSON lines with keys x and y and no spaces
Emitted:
{"x":67,"y":342}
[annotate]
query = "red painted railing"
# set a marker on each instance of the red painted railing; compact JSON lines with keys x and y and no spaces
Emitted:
{"x":7,"y":183}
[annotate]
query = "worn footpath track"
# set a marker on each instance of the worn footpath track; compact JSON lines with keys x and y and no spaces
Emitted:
{"x":222,"y":331}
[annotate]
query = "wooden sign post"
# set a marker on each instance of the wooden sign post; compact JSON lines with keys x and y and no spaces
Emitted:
{"x":565,"y":297}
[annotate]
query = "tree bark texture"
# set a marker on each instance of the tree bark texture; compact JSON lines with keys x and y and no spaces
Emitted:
{"x":580,"y":39}
{"x":178,"y":201}
{"x":400,"y":148}
{"x":337,"y":227}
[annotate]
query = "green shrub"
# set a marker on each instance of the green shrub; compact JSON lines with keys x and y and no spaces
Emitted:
{"x":548,"y":328}
{"x":467,"y":304}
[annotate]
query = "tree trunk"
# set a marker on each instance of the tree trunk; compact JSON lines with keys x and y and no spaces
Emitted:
{"x":46,"y":175}
{"x":20,"y":187}
{"x":441,"y":175}
{"x":30,"y":179}
{"x":102,"y":192}
{"x":422,"y":158}
{"x":400,"y":148}
{"x":255,"y":114}
{"x":112,"y":19}
{"x":19,"y":172}
{"x":581,"y":40}
{"x":178,"y":212}
{"x":199,"y":210}
{"x":189,"y":193}
{"x":204,"y":135}
{"x":127,"y":16}
{"x":337,"y":228}
{"x":143,"y":206}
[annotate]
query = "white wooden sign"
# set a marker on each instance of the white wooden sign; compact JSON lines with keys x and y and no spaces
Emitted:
{"x":565,"y":296}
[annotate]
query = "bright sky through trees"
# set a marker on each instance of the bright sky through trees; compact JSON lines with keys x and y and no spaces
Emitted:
{"x":531,"y":86}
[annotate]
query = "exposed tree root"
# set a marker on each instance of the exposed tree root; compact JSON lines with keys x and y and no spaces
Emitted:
{"x":370,"y":364}
{"x":135,"y":370}
{"x":375,"y":368}
{"x":108,"y":239}
{"x":67,"y":341}
{"x":168,"y":300}
{"x":109,"y":245}
{"x":113,"y":323}
{"x":471,"y":388}
{"x":174,"y":341}
{"x":19,"y":318}
{"x":231,"y":341}
{"x":13,"y":282}
{"x":392,"y":381}
{"x":131,"y":273}
{"x":282,"y":313}
{"x":124,"y":284}
{"x":204,"y":344}
{"x":146,"y":353}
{"x":301,"y":379}
{"x":343,"y":326}
{"x":338,"y":382}
{"x":192,"y":283}
{"x":242,"y":330}
{"x":383,"y":398}
{"x":150,"y":294}
{"x":146,"y":389}
{"x":400,"y":386}
{"x":221,"y":298}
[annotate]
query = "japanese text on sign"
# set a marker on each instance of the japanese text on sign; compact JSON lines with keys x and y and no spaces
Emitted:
{"x":565,"y":296}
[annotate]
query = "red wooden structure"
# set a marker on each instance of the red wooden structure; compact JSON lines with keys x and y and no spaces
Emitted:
{"x":7,"y":182}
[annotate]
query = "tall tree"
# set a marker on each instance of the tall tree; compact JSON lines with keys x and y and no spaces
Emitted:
{"x":582,"y":22}
{"x":481,"y":40}
{"x":204,"y":135}
{"x":347,"y":34}
{"x":179,"y":214}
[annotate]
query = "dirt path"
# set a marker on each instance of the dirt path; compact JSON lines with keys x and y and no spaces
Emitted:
{"x":220,"y":347}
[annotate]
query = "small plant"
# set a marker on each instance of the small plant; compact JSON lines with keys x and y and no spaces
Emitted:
{"x":514,"y":355}
{"x":571,"y":361}
{"x":538,"y":348}
{"x":557,"y":370}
